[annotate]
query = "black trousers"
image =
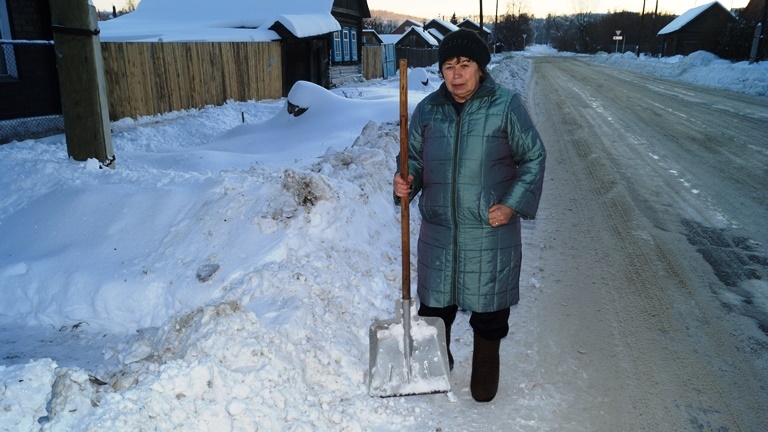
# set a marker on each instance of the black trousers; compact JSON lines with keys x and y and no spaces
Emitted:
{"x":490,"y":326}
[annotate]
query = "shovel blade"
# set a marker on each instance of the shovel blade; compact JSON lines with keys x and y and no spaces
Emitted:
{"x":408,"y":362}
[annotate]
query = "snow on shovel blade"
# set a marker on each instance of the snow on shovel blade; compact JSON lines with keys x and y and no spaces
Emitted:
{"x":408,"y":361}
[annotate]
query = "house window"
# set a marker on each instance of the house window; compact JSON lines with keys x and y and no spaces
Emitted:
{"x":336,"y":46}
{"x":354,"y":44}
{"x":7,"y":58}
{"x":345,"y":33}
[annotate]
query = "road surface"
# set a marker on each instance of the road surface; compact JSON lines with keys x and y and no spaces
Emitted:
{"x":653,"y":244}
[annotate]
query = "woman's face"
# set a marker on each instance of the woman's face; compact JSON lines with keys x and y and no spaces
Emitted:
{"x":462,"y":77}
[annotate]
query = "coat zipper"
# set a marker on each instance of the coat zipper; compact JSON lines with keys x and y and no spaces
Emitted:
{"x":454,"y":216}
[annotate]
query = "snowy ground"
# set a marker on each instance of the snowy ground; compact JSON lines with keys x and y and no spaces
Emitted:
{"x":224,"y":276}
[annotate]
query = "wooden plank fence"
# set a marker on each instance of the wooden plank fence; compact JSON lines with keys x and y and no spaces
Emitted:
{"x":158,"y":77}
{"x":372,"y":58}
{"x":418,"y":57}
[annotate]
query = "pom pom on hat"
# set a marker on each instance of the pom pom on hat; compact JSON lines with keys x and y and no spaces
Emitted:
{"x":463,"y":43}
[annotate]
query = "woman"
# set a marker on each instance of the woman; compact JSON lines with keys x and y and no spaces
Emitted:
{"x":478,"y":162}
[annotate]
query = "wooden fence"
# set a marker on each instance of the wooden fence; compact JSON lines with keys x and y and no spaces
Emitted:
{"x":158,"y":77}
{"x":381,"y":61}
{"x":418,"y":57}
{"x":372,"y":59}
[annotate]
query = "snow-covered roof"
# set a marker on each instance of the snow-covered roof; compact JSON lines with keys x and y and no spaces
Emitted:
{"x":220,"y":20}
{"x":476,"y":24}
{"x":411,"y":22}
{"x":423,"y":33}
{"x":687,"y":17}
{"x":448,"y":25}
{"x":372,"y":33}
{"x":306,"y":25}
{"x":436,"y":34}
{"x":390,"y":38}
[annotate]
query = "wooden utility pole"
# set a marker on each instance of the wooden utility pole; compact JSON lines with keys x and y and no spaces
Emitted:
{"x":640,"y":32}
{"x":653,"y":29}
{"x":481,"y":33}
{"x":81,"y":79}
{"x":496,"y":27}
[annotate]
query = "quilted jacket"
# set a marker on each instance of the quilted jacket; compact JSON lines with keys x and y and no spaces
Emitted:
{"x":462,"y":165}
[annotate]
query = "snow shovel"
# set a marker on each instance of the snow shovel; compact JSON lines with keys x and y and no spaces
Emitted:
{"x":408,"y":353}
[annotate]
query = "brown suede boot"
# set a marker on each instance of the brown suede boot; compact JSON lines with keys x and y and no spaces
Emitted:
{"x":485,"y":369}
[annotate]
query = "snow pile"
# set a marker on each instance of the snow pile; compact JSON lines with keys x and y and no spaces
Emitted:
{"x":419,"y":79}
{"x":24,"y":393}
{"x":702,"y":68}
{"x":251,"y":259}
{"x":515,"y":77}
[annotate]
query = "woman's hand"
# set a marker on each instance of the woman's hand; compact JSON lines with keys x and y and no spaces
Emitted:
{"x":499,"y":215}
{"x":402,"y":188}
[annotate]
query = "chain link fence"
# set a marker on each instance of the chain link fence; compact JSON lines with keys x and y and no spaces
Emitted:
{"x":19,"y":129}
{"x":30,"y":128}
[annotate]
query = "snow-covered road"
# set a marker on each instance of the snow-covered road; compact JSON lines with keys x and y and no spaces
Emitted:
{"x":652,"y":237}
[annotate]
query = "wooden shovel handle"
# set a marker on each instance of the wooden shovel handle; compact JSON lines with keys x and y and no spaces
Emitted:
{"x":405,"y":214}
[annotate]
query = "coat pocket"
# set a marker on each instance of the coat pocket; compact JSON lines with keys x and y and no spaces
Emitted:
{"x":488,"y":198}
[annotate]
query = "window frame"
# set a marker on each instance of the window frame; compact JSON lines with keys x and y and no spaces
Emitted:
{"x":8,"y":59}
{"x":345,"y":43}
{"x":337,"y":55}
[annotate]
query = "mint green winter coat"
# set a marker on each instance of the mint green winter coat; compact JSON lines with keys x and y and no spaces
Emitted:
{"x":462,"y":166}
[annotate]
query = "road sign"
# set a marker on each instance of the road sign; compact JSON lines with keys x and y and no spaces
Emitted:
{"x":617,"y":38}
{"x":618,"y":32}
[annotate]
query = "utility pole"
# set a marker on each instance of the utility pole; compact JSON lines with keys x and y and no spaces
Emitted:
{"x":482,"y":33}
{"x":496,"y":26}
{"x":642,"y":18}
{"x":653,"y":27}
{"x":81,"y":78}
{"x":759,"y":30}
{"x":756,"y":42}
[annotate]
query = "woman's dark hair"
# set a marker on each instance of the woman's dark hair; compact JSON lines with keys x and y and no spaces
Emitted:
{"x":483,"y":71}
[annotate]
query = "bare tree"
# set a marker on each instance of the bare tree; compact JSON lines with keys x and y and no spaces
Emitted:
{"x":512,"y":31}
{"x":379,"y":25}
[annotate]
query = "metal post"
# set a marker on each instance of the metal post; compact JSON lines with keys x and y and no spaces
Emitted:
{"x":755,"y":43}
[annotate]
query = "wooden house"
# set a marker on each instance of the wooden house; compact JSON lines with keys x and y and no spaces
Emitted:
{"x":346,"y":43}
{"x":320,"y":39}
{"x":303,"y":58}
{"x":416,"y":37}
{"x":405,"y":26}
{"x":697,"y":29}
{"x":385,"y":49}
{"x":418,"y":47}
{"x":438,"y":29}
{"x":475,"y":27}
{"x":28,"y":76}
{"x":371,"y":38}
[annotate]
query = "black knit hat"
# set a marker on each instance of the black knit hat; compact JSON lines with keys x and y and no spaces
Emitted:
{"x":463,"y":43}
